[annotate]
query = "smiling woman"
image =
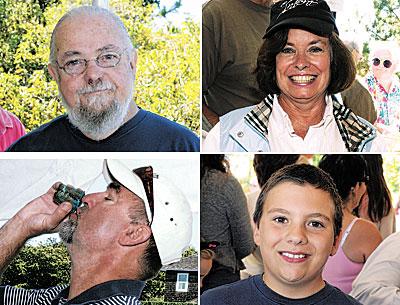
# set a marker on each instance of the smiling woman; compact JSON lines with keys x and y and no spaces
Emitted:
{"x":301,"y":65}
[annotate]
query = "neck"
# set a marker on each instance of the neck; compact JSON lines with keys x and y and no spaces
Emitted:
{"x":347,"y":218}
{"x":303,"y":116}
{"x":89,"y":272}
{"x":348,"y":211}
{"x":295,"y":291}
{"x":386,"y":84}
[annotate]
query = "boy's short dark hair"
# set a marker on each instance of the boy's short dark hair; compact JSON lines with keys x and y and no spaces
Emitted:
{"x":302,"y":174}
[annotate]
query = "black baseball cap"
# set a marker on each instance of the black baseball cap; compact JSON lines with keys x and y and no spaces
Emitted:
{"x":314,"y":16}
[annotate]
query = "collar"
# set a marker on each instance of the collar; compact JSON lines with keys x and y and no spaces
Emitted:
{"x":354,"y":130}
{"x":5,"y":121}
{"x":103,"y":291}
{"x":317,"y":298}
{"x":258,"y":117}
{"x":282,"y":116}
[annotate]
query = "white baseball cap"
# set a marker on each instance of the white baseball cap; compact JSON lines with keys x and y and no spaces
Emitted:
{"x":171,"y":223}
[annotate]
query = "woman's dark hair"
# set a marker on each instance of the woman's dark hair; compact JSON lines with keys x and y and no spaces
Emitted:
{"x":213,"y":161}
{"x":378,"y":192}
{"x":345,"y":170}
{"x":342,"y":67}
{"x":266,"y":164}
{"x":302,"y":174}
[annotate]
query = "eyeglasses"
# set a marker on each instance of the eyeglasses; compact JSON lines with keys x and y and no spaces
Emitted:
{"x":77,"y":66}
{"x":386,"y":63}
{"x":146,"y":176}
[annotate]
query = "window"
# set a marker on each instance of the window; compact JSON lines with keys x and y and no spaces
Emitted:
{"x":182,"y":282}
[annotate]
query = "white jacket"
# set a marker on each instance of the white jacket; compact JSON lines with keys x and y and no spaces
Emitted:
{"x":243,"y":130}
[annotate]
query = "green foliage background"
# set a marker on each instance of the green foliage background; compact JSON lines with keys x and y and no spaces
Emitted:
{"x":385,"y":27}
{"x":387,"y":23}
{"x":168,"y":72}
{"x":41,"y":266}
{"x":47,"y":264}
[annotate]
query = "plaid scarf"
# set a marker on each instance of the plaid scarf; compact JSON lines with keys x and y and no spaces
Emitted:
{"x":353,"y":130}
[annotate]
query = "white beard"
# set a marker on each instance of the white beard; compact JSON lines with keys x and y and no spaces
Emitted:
{"x":98,"y":118}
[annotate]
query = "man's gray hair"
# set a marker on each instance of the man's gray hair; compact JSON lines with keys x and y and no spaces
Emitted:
{"x":89,"y":11}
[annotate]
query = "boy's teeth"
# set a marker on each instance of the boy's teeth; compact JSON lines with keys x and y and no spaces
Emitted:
{"x":302,"y":78}
{"x":290,"y":255}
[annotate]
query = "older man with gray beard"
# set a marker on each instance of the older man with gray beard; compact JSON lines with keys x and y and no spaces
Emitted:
{"x":117,"y":240}
{"x":93,"y":61}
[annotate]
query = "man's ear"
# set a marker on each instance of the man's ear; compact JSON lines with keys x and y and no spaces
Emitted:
{"x":336,"y":243}
{"x":256,"y":235}
{"x":134,"y":234}
{"x":53,"y":72}
{"x":133,"y":61}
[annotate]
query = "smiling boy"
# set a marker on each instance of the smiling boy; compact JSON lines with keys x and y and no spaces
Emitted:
{"x":298,"y":218}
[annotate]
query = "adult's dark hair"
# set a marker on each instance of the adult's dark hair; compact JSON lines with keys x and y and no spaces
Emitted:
{"x":302,"y":174}
{"x":345,"y":170}
{"x":150,"y":263}
{"x":266,"y":164}
{"x":379,"y":204}
{"x":342,"y":67}
{"x":213,"y":161}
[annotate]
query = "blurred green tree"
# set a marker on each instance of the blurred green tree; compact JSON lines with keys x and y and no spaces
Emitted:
{"x":44,"y":265}
{"x":48,"y":264}
{"x":168,"y":76}
{"x":387,"y":23}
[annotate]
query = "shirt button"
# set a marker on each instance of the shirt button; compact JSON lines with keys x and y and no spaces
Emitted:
{"x":240,"y":134}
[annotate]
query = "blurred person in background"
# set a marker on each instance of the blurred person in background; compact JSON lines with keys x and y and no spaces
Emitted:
{"x":223,"y":218}
{"x":384,"y":85}
{"x":359,"y":237}
{"x":357,"y":97}
{"x":232,"y":33}
{"x":207,"y":254}
{"x":376,"y":203}
{"x":11,"y":129}
{"x":379,"y":281}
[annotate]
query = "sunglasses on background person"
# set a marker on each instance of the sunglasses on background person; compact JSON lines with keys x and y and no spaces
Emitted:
{"x":386,"y":63}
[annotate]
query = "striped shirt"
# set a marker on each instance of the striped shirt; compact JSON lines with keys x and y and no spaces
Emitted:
{"x":118,"y":292}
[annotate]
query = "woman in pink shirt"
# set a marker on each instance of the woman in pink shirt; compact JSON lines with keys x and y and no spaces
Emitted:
{"x":359,"y":237}
{"x":11,"y":129}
